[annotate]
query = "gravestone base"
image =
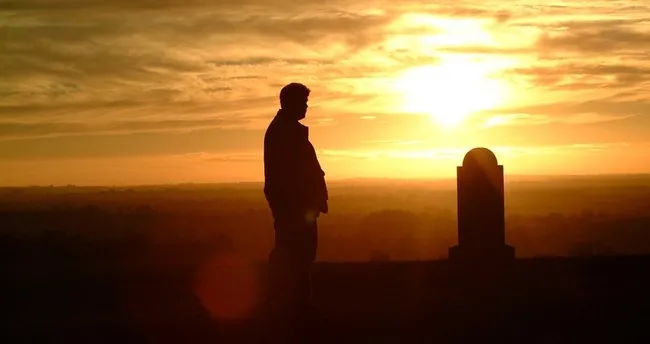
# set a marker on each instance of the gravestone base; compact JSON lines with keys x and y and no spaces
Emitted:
{"x":504,"y":253}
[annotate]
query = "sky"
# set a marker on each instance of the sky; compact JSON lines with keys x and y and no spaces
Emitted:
{"x":116,"y":92}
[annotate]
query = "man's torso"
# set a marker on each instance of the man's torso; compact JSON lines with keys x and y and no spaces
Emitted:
{"x":293,"y":175}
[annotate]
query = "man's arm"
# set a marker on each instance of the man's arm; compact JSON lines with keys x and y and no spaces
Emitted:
{"x":283,"y":189}
{"x":315,"y":187}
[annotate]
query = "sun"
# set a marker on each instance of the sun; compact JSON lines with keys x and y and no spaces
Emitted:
{"x":451,"y":91}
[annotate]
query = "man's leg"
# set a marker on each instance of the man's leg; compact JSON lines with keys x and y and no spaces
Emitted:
{"x":291,"y":259}
{"x":289,"y":275}
{"x":308,"y":243}
{"x":280,"y":264}
{"x":281,"y":287}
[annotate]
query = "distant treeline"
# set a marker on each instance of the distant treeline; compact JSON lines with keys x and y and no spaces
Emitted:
{"x":384,"y":234}
{"x":368,"y":220}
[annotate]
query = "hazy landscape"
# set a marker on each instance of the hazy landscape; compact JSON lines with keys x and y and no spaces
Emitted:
{"x":369,"y":219}
{"x":171,"y":262}
{"x":156,"y":114}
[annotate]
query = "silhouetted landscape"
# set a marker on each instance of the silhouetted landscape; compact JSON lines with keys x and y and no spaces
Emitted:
{"x":185,"y":263}
{"x":274,"y":171}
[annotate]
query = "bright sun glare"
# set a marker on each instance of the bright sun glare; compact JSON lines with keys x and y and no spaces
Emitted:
{"x":450,"y":91}
{"x":458,"y":85}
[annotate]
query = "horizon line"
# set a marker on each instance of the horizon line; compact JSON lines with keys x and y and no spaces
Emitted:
{"x":330,"y":181}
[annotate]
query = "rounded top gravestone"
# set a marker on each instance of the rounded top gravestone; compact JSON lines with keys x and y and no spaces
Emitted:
{"x":480,"y":158}
{"x":481,"y":208}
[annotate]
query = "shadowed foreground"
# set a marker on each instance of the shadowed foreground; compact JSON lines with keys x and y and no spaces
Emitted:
{"x":554,"y":300}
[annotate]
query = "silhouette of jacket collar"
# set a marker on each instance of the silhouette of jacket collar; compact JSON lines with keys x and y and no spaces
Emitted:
{"x":301,"y":128}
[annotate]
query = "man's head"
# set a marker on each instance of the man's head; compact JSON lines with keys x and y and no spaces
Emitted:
{"x":293,"y":100}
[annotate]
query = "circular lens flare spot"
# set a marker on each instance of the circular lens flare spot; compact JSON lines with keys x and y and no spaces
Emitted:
{"x":228,"y":287}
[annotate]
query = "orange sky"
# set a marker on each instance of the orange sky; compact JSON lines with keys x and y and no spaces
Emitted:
{"x":139,"y":92}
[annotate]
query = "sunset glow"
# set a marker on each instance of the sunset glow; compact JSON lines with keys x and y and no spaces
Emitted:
{"x":183,"y":91}
{"x":451,"y":91}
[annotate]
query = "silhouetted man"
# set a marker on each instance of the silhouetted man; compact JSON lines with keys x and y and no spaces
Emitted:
{"x":296,"y":192}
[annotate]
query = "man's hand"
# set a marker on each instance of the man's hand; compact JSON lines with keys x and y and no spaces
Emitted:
{"x":324,"y":208}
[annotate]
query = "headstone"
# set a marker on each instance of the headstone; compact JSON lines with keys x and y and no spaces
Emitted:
{"x":481,"y":213}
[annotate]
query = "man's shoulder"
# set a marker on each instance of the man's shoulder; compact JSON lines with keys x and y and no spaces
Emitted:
{"x":286,"y":127}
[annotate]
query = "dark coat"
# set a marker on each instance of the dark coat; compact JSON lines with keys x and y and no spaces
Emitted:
{"x":293,"y":178}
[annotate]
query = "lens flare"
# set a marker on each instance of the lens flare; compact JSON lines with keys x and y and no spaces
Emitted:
{"x":228,"y":287}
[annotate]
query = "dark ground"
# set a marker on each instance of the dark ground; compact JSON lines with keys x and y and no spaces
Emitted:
{"x":551,"y":300}
{"x":152,"y":265}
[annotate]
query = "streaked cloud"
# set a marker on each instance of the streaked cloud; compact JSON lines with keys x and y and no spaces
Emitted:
{"x":20,"y":130}
{"x":143,"y":78}
{"x":457,"y":153}
{"x":528,"y":119}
